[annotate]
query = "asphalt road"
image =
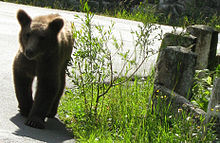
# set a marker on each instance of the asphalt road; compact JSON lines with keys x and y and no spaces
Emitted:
{"x":12,"y":128}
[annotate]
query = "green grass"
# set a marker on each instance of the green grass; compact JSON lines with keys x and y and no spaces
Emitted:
{"x":144,"y":13}
{"x":149,"y":13}
{"x":125,"y":115}
{"x":202,"y":88}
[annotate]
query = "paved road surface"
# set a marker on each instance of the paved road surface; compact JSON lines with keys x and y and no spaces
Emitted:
{"x":12,"y":129}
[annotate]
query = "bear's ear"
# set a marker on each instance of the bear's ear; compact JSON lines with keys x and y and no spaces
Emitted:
{"x":56,"y":25}
{"x":23,"y":18}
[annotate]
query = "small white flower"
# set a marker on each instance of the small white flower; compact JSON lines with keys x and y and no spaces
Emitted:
{"x":188,"y":118}
{"x":96,"y":139}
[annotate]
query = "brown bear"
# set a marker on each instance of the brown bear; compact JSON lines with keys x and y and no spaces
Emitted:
{"x":45,"y":49}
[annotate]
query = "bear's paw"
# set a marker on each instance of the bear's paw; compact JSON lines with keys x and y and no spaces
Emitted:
{"x":35,"y":122}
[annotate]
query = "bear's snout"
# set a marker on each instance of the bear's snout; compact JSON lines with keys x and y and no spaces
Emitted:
{"x":29,"y":53}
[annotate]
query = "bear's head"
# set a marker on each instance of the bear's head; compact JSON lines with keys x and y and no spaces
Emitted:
{"x":39,"y":35}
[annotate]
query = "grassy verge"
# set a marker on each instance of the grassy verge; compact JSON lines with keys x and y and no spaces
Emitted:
{"x":125,"y":115}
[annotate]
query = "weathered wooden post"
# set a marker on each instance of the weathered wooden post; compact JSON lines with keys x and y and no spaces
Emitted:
{"x":176,"y":62}
{"x":217,"y":59}
{"x":206,"y":45}
{"x":174,"y":73}
{"x":214,"y":101}
{"x":214,"y":106}
{"x":175,"y":39}
{"x":175,"y":69}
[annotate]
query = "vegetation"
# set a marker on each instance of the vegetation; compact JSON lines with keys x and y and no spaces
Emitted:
{"x":92,"y":61}
{"x":125,"y":115}
{"x":203,"y":86}
{"x":145,"y":11}
{"x":105,"y":107}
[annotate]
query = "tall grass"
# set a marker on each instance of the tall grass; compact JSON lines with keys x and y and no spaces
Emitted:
{"x":125,"y":115}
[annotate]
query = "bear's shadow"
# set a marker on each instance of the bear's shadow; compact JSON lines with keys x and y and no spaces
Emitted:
{"x":55,"y":131}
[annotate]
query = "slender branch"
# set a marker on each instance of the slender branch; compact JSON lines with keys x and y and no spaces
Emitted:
{"x":133,"y":72}
{"x":85,"y":99}
{"x":120,"y":73}
{"x":109,"y":87}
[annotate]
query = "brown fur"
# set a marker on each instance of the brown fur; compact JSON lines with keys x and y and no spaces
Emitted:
{"x":45,"y":49}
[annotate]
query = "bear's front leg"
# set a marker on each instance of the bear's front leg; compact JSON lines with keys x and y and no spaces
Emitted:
{"x":23,"y":93}
{"x":46,"y":93}
{"x":53,"y":111}
{"x":23,"y":74}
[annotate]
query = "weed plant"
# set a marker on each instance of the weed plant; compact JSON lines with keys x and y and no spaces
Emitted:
{"x":92,"y":64}
{"x":202,"y":88}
